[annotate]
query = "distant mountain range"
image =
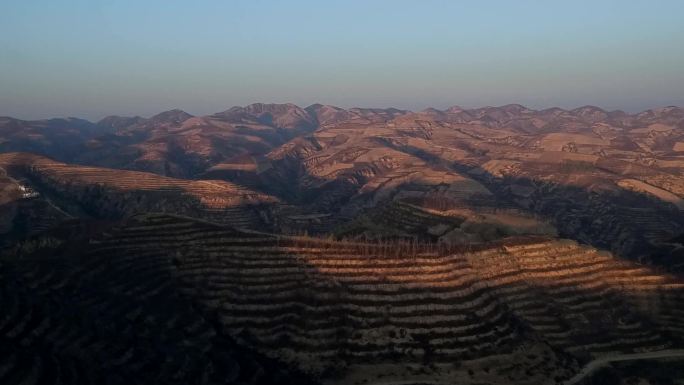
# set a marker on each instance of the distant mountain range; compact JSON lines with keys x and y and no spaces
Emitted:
{"x":176,"y":143}
{"x":289,"y":115}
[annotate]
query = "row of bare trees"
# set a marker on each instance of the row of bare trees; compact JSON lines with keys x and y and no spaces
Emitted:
{"x":387,"y":247}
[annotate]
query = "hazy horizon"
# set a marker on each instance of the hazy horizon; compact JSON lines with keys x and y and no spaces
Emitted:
{"x":90,"y":59}
{"x":149,"y":115}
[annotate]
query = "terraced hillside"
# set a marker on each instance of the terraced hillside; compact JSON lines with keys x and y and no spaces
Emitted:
{"x":115,"y":319}
{"x":530,"y":310}
{"x":22,"y":212}
{"x":607,"y":178}
{"x":594,"y":206}
{"x":162,"y":251}
{"x":603,"y":178}
{"x":110,"y":193}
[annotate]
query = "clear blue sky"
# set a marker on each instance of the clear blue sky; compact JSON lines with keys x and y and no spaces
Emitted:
{"x":91,"y":58}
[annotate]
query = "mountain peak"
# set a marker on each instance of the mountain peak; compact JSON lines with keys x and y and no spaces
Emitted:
{"x":257,"y":108}
{"x":454,"y":109}
{"x":515,"y":108}
{"x":171,"y":116}
{"x":587,"y":108}
{"x":431,"y":110}
{"x":284,"y":115}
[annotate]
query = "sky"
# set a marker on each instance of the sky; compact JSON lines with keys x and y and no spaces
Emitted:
{"x":92,"y":58}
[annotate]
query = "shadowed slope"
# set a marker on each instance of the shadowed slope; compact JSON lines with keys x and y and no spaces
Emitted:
{"x":103,"y":318}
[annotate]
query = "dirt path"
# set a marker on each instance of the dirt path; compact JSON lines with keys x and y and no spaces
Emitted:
{"x":599,"y":363}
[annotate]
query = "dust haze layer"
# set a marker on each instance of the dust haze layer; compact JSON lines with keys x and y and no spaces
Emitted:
{"x":89,"y":59}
